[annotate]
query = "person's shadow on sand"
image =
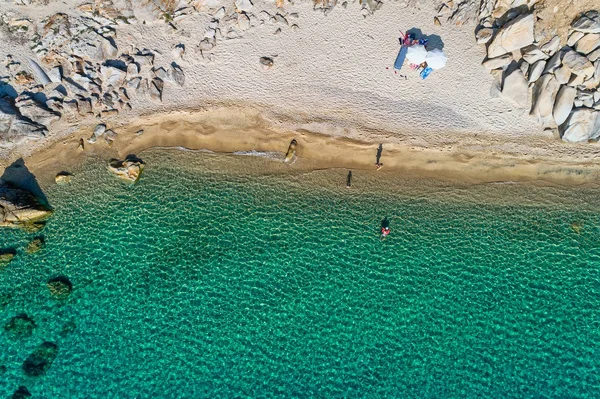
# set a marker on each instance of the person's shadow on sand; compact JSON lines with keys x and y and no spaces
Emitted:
{"x":19,"y":176}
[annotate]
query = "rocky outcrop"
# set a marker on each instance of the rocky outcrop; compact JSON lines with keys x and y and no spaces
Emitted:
{"x":39,"y":362}
{"x":583,"y":125}
{"x":515,"y":35}
{"x":20,"y":326}
{"x":563,"y":84}
{"x":60,"y":287}
{"x":129,"y":169}
{"x":20,"y":208}
{"x":14,"y":128}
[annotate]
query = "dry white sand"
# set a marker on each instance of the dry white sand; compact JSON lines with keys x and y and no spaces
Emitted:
{"x":333,"y":76}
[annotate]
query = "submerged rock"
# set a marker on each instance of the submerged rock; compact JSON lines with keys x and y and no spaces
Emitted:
{"x":63,"y":178}
{"x":20,"y":326}
{"x":6,"y":256}
{"x":21,"y":393}
{"x":35,"y":245}
{"x":39,"y":362}
{"x":60,"y":287}
{"x":129,"y":169}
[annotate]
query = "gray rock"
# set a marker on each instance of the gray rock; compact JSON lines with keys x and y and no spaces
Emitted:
{"x":594,"y":55}
{"x":515,"y":35}
{"x":112,"y":76}
{"x":156,"y":89}
{"x":588,"y":43}
{"x":574,"y":38}
{"x":533,"y":54}
{"x":563,"y":104}
{"x":176,"y":74}
{"x":146,"y":59}
{"x":38,"y":363}
{"x":40,"y":74}
{"x":515,"y":86}
{"x":35,"y":111}
{"x":498,"y":62}
{"x":536,"y":71}
{"x":524,"y":67}
{"x":587,"y":23}
{"x":134,"y":83}
{"x":55,"y":74}
{"x":543,"y":96}
{"x":133,"y":69}
{"x":552,"y":46}
{"x":563,"y":75}
{"x":554,"y":62}
{"x":582,"y":125}
{"x":99,"y":129}
{"x":578,"y":64}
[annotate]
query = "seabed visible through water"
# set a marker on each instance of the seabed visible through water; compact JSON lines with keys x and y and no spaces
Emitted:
{"x":232,"y":276}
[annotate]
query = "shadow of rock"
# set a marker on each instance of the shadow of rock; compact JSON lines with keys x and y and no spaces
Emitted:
{"x":39,"y":362}
{"x":17,"y":175}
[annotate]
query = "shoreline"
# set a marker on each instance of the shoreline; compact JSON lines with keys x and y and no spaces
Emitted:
{"x":476,"y":159}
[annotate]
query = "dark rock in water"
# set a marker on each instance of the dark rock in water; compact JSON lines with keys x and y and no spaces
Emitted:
{"x":21,"y":393}
{"x":39,"y":362}
{"x":20,"y":326}
{"x":6,"y":255}
{"x":35,"y":245}
{"x":68,"y":328}
{"x":3,"y":369}
{"x":60,"y":287}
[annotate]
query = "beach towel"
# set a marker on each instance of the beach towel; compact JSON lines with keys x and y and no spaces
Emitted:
{"x":425,"y":72}
{"x":400,"y":58}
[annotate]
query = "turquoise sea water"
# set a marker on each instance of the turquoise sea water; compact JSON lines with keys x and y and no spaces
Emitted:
{"x":205,"y":283}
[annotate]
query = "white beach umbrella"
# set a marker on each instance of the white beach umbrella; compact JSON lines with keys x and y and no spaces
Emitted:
{"x":436,"y":59}
{"x":416,"y":54}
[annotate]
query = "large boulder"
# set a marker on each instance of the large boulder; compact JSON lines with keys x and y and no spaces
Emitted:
{"x":14,"y":129}
{"x":129,"y":169}
{"x":35,"y":111}
{"x":587,"y":23}
{"x":564,"y":104}
{"x":515,"y":86}
{"x":39,"y":361}
{"x":19,"y":207}
{"x":578,"y":64}
{"x":583,"y":125}
{"x":515,"y":35}
{"x":21,"y":393}
{"x":6,"y":256}
{"x":543,"y":96}
{"x":588,"y":43}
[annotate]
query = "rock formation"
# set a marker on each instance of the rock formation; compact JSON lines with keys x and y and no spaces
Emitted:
{"x":60,"y":287}
{"x":38,"y":363}
{"x":20,"y":208}
{"x":129,"y":169}
{"x":63,"y":178}
{"x":21,"y":393}
{"x":6,"y":256}
{"x":563,"y":84}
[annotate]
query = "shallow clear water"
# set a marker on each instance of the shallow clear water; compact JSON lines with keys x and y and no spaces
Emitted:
{"x":199,"y":283}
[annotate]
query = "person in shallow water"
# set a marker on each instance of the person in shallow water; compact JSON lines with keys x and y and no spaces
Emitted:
{"x":385,"y":228}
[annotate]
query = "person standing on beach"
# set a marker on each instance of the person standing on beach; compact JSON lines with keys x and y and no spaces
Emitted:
{"x":378,"y":163}
{"x":349,"y":179}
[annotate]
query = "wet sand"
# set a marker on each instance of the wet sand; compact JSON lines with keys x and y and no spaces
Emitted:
{"x":477,"y":159}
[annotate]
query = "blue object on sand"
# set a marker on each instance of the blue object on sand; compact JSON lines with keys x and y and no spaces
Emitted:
{"x":425,"y":72}
{"x":400,"y":58}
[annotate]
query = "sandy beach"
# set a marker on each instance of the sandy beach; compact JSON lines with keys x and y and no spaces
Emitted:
{"x":332,"y":87}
